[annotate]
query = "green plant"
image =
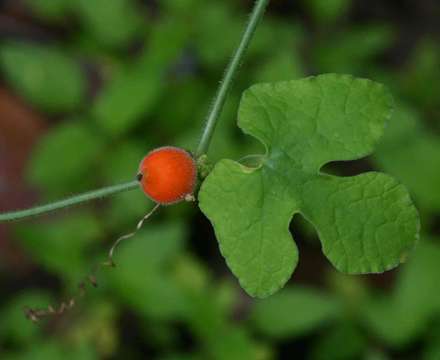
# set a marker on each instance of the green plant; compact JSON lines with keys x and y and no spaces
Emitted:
{"x":303,"y":125}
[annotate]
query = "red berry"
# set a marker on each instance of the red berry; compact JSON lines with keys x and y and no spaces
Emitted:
{"x":168,"y":174}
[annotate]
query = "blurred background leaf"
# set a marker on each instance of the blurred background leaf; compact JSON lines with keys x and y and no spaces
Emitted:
{"x":45,"y":76}
{"x":145,"y":282}
{"x":407,"y":313}
{"x":411,"y":152}
{"x":48,"y":9}
{"x":134,"y":89}
{"x":57,"y":166}
{"x":61,"y":245}
{"x":325,"y":11}
{"x":294,"y":312}
{"x":103,"y":21}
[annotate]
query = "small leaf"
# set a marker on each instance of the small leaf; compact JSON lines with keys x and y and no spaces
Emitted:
{"x":325,"y":11}
{"x":52,"y":350}
{"x":191,"y":275}
{"x":406,"y":141}
{"x":366,"y":223}
{"x":62,"y":160}
{"x":44,"y":76}
{"x":176,"y":356}
{"x":14,"y":326}
{"x":344,"y":341}
{"x":281,"y":65}
{"x":213,"y":16}
{"x":134,"y":90}
{"x":402,"y":317}
{"x":143,"y":279}
{"x":48,"y":9}
{"x":59,"y":246}
{"x":97,"y":326}
{"x":432,"y":348}
{"x":352,"y":51}
{"x":104,"y":21}
{"x":293,"y":312}
{"x":235,"y":344}
{"x":422,"y":69}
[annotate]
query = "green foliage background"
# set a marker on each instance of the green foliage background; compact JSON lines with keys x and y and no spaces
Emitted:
{"x":110,"y":80}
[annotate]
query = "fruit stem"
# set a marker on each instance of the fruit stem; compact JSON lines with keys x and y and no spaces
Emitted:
{"x":228,"y":77}
{"x":74,"y":200}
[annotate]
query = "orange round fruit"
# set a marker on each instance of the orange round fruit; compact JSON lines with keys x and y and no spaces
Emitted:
{"x":168,"y":175}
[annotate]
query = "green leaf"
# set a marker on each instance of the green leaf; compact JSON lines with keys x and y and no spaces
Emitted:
{"x":422,"y":69}
{"x":49,"y":9}
{"x":402,"y":317}
{"x":326,"y":11}
{"x":235,"y":344}
{"x":213,"y":16}
{"x":52,"y":350}
{"x":63,"y":158}
{"x":344,"y":341}
{"x":432,"y":347}
{"x":15,"y":327}
{"x":97,"y":327}
{"x":112,"y":23}
{"x":289,"y":34}
{"x":366,"y":223}
{"x":215,"y":47}
{"x":192,"y":276}
{"x":181,"y":357}
{"x":407,"y":141}
{"x":433,"y":351}
{"x":59,"y":246}
{"x":294,"y":312}
{"x":281,"y":65}
{"x":134,"y":90}
{"x":207,"y":315}
{"x":44,"y":76}
{"x":178,"y":113}
{"x":351,"y":50}
{"x":143,"y":278}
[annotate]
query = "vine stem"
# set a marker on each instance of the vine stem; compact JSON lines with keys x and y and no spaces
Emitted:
{"x":228,"y":78}
{"x":205,"y":140}
{"x":74,"y":200}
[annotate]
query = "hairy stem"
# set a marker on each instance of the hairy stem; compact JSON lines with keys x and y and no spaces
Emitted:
{"x":74,"y":200}
{"x":231,"y":70}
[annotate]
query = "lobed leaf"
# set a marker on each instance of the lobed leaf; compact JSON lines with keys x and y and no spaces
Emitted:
{"x":366,"y":223}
